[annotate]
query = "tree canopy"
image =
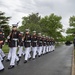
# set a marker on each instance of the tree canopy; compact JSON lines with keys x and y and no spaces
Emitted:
{"x":4,"y":21}
{"x":48,"y":25}
{"x":71,"y":30}
{"x":51,"y":25}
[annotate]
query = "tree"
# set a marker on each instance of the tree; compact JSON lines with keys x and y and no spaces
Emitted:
{"x":51,"y":25}
{"x":71,"y":30}
{"x":6,"y":30}
{"x":69,"y":38}
{"x":31,"y":22}
{"x":4,"y":23}
{"x":48,"y":25}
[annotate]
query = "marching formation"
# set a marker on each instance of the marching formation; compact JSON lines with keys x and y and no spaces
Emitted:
{"x":30,"y":46}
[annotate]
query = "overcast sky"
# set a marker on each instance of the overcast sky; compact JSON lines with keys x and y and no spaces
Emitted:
{"x":19,"y":8}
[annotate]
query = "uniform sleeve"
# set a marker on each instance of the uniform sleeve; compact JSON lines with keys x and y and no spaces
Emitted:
{"x":19,"y":37}
{"x":9,"y":37}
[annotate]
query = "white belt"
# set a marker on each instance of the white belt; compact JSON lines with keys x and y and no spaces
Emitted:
{"x":40,"y":41}
{"x":28,"y":41}
{"x":34,"y":41}
{"x":15,"y":39}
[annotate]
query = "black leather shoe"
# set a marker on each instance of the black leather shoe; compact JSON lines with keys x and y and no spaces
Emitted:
{"x":7,"y":60}
{"x":2,"y":70}
{"x":25,"y":61}
{"x":10,"y":67}
{"x":18,"y":61}
{"x":4,"y":57}
{"x":19,"y":57}
{"x":29,"y":59}
{"x":39,"y":55}
{"x":2,"y":60}
{"x":17,"y":54}
{"x":33,"y":59}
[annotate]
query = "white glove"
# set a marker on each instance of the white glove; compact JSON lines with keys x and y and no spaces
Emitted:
{"x":18,"y":45}
{"x":5,"y":40}
{"x":8,"y":37}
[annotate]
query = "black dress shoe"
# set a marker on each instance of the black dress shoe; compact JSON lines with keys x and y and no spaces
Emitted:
{"x":20,"y":57}
{"x":4,"y":57}
{"x":25,"y":61}
{"x":43,"y":54}
{"x":18,"y":61}
{"x":17,"y":54}
{"x":2,"y":60}
{"x":39,"y":55}
{"x":29,"y":58}
{"x":36,"y":56}
{"x":7,"y":60}
{"x":10,"y":67}
{"x":33,"y":59}
{"x":2,"y":70}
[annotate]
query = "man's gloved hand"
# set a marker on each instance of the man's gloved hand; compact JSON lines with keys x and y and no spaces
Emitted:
{"x":8,"y":37}
{"x":18,"y":45}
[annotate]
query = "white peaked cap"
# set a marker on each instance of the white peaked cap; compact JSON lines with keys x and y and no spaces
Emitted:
{"x":34,"y":31}
{"x":43,"y":35}
{"x":27,"y":30}
{"x":21,"y":32}
{"x":39,"y":33}
{"x":14,"y":25}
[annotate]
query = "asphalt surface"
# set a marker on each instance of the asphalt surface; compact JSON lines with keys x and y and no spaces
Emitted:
{"x":55,"y":63}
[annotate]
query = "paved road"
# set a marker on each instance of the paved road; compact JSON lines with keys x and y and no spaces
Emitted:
{"x":54,"y":63}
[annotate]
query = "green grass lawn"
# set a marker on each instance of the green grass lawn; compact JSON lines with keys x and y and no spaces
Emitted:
{"x":5,"y":48}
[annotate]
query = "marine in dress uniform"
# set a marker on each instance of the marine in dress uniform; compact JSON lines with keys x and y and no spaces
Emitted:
{"x":21,"y":44}
{"x":34,"y":44}
{"x":2,"y":39}
{"x":13,"y":42}
{"x":50,"y":44}
{"x":44,"y":44}
{"x":39,"y":43}
{"x":2,"y":55}
{"x":53,"y":44}
{"x":47,"y":44}
{"x":27,"y":45}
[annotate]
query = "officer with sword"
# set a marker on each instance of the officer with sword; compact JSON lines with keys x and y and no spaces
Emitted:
{"x":13,"y":42}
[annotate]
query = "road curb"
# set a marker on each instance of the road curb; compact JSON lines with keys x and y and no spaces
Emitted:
{"x":73,"y":65}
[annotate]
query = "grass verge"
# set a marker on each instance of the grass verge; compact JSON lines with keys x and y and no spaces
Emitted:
{"x":5,"y":48}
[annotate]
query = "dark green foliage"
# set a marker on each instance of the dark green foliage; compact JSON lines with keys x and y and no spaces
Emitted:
{"x":71,"y":30}
{"x":4,"y":23}
{"x":48,"y":25}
